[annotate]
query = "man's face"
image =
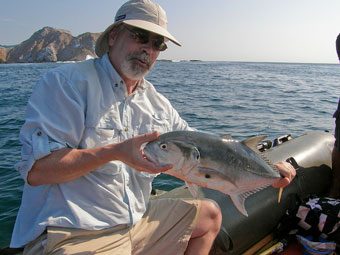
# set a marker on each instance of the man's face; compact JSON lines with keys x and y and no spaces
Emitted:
{"x":133,"y":52}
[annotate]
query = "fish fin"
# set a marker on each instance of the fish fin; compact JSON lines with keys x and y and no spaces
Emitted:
{"x":238,"y":201}
{"x":268,"y":161}
{"x":276,"y":169}
{"x":253,"y":141}
{"x":193,"y":189}
{"x":226,"y":137}
{"x":251,"y":192}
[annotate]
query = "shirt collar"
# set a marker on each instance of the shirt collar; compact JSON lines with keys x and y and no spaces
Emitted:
{"x":111,"y":72}
{"x":115,"y":77}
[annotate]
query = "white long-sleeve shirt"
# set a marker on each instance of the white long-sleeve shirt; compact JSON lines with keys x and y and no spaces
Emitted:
{"x":86,"y":105}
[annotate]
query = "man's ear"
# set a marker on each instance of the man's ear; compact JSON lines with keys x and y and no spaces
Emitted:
{"x":112,"y":37}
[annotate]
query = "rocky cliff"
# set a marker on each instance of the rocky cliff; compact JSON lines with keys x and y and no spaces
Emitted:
{"x":3,"y":54}
{"x":51,"y":45}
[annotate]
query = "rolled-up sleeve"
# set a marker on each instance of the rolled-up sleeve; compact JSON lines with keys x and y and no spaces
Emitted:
{"x":54,"y":120}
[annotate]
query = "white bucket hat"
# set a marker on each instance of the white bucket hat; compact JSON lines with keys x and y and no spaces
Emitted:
{"x":143,"y":14}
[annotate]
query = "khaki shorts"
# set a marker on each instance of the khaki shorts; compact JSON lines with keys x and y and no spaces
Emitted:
{"x":165,"y":229}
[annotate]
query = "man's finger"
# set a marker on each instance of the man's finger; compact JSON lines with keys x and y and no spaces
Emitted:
{"x":148,"y":137}
{"x":286,"y":170}
{"x":283,"y":182}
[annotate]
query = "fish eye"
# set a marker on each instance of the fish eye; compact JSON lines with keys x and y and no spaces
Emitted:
{"x":208,"y":176}
{"x":163,"y":146}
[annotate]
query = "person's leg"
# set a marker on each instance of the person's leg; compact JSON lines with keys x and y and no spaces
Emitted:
{"x":77,"y":241}
{"x":176,"y":226}
{"x":37,"y":246}
{"x":335,"y":187}
{"x":206,"y":229}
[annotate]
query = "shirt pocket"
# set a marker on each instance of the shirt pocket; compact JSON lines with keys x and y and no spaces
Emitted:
{"x":104,"y":133}
{"x":101,"y":136}
{"x":98,"y":136}
{"x":158,"y":121}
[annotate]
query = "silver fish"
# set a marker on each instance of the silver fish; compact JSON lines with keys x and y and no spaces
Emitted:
{"x":211,"y":161}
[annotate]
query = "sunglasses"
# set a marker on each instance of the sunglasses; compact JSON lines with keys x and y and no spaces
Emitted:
{"x":143,"y":37}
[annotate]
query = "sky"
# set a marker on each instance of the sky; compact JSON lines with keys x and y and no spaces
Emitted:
{"x":297,"y":31}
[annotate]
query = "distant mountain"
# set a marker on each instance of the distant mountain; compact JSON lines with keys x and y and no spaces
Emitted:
{"x":3,"y":54}
{"x":50,"y":45}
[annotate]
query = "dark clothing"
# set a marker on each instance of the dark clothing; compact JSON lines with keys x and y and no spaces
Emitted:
{"x":337,"y":127}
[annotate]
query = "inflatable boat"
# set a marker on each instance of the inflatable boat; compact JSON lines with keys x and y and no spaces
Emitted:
{"x":309,"y":153}
{"x":311,"y":156}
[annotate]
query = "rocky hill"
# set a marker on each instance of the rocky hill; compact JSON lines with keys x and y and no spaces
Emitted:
{"x":3,"y":54}
{"x":51,"y":45}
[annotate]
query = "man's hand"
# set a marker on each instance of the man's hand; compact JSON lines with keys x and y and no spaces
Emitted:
{"x":287,"y":171}
{"x":131,"y":153}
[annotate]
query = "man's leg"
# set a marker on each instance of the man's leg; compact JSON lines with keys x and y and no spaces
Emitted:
{"x":207,"y":227}
{"x":335,"y":188}
{"x":76,"y":241}
{"x":37,"y":246}
{"x":168,"y":225}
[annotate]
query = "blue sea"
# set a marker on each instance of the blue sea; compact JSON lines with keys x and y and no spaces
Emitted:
{"x":238,"y":98}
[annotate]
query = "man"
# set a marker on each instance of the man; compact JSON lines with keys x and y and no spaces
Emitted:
{"x":335,"y":187}
{"x":87,"y":181}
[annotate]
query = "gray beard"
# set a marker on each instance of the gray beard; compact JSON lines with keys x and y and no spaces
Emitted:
{"x":134,"y":71}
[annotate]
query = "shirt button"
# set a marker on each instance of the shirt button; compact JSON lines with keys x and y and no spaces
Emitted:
{"x":126,"y":129}
{"x":39,"y":133}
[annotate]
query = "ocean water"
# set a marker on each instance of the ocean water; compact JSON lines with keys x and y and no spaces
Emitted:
{"x":237,"y":98}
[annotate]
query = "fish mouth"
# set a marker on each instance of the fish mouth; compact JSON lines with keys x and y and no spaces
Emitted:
{"x":149,"y":157}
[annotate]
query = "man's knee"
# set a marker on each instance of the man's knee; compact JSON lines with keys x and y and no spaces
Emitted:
{"x":212,"y":213}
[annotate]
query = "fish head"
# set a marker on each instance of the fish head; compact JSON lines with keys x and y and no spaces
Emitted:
{"x":181,"y":155}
